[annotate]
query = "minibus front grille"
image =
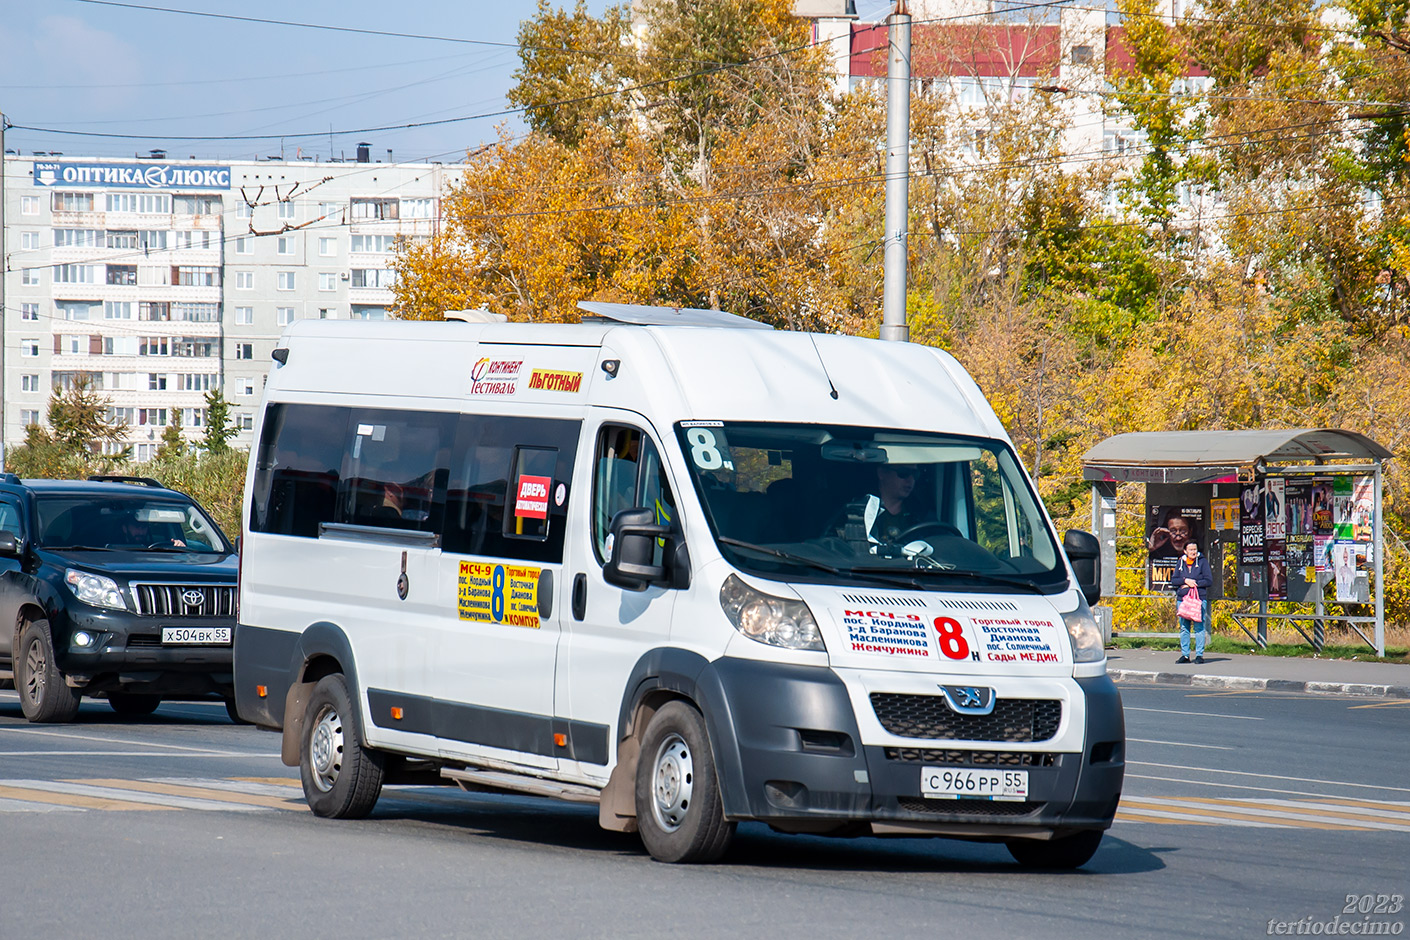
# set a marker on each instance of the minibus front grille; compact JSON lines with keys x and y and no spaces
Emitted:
{"x":927,"y":807}
{"x":184,"y":600}
{"x":930,"y":716}
{"x":953,"y":758}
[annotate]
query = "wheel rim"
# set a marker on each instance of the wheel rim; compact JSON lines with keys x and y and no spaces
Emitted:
{"x":673,"y":780}
{"x":325,"y":749}
{"x":36,"y":665}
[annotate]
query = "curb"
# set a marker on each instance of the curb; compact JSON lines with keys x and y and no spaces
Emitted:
{"x":1249,"y":684}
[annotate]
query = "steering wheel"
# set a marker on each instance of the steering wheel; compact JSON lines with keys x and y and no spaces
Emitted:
{"x":166,"y":544}
{"x":925,"y":528}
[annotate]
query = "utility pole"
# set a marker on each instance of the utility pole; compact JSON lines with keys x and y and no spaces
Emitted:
{"x":898,"y":173}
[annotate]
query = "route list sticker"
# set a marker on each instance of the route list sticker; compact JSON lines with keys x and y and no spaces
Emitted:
{"x":1016,"y":639}
{"x":507,"y":594}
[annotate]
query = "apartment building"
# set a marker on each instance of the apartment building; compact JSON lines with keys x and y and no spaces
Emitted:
{"x":161,"y":279}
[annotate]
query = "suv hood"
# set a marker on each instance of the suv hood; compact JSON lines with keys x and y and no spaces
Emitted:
{"x":140,"y":566}
{"x":975,"y":634}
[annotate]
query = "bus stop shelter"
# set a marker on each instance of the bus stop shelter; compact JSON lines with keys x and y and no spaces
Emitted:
{"x":1300,"y":508}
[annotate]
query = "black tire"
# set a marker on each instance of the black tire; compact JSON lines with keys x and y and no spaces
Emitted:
{"x":44,"y":696}
{"x":678,"y":809}
{"x":131,"y":705}
{"x":342,"y":778}
{"x":233,"y":712}
{"x":1062,"y":854}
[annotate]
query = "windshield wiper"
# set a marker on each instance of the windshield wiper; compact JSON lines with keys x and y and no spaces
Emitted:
{"x":76,"y":548}
{"x":978,"y":575}
{"x":820,"y":566}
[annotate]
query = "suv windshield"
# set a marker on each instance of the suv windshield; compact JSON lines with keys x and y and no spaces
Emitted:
{"x":870,"y":505}
{"x":127,"y":523}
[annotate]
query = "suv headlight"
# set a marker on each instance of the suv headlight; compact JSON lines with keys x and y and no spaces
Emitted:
{"x":1084,"y":635}
{"x":95,"y":589}
{"x":776,"y":621}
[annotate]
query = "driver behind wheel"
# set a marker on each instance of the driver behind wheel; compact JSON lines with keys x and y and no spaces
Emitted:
{"x":133,"y":531}
{"x":882,"y":517}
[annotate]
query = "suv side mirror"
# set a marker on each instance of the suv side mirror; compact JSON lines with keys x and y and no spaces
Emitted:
{"x":10,"y":545}
{"x":633,"y":538}
{"x":1084,"y":552}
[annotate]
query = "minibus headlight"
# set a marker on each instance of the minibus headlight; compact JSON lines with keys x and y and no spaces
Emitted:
{"x":1084,"y":635}
{"x":776,"y":621}
{"x":95,"y":589}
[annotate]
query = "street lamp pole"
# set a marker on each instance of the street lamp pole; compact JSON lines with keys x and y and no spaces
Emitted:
{"x":898,"y":173}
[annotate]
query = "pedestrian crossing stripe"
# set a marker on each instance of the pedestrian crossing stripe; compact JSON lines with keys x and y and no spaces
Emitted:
{"x":1306,"y":813}
{"x":231,"y":794}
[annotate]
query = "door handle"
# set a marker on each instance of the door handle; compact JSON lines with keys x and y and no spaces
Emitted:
{"x":579,"y":596}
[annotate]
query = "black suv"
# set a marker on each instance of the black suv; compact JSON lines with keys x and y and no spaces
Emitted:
{"x":115,"y":586}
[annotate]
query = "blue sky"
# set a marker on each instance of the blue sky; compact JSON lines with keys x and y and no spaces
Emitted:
{"x":79,"y":66}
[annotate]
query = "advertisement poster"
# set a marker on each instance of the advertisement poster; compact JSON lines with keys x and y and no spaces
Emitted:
{"x":1363,"y":509}
{"x":1251,"y":548}
{"x":1341,"y":508}
{"x":1275,"y":532}
{"x":1224,"y":514}
{"x":1344,"y":565}
{"x":1300,"y":528}
{"x":1168,"y":529}
{"x":1322,"y":507}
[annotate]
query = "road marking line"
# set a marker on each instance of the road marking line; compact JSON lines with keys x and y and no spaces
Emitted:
{"x":12,"y":729}
{"x":1251,"y":813}
{"x":1171,"y":711}
{"x":290,"y":795}
{"x":1383,"y":814}
{"x":1178,"y":817}
{"x":1396,"y":703}
{"x":1226,"y":786}
{"x":40,"y":794}
{"x":273,"y":781}
{"x":198,"y":792}
{"x":1369,"y":804}
{"x":84,"y":788}
{"x":1263,"y":809}
{"x":162,"y":754}
{"x":1244,"y":773}
{"x":1142,"y":817}
{"x":1228,"y":692}
{"x":1210,"y":747}
{"x":31,"y":806}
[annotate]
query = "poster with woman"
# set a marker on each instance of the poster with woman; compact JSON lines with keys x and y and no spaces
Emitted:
{"x":1168,"y":530}
{"x":1363,"y":509}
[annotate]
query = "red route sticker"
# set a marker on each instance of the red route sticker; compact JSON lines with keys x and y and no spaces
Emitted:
{"x":531,"y":502}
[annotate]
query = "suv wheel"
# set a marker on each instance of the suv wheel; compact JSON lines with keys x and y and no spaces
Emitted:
{"x":44,"y":696}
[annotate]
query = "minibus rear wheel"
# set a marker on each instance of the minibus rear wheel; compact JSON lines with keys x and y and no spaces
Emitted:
{"x":342,"y":778}
{"x":678,"y":808}
{"x":1064,"y":853}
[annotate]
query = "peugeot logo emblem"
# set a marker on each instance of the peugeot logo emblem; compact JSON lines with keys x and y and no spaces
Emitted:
{"x":969,"y":698}
{"x":192,"y":598}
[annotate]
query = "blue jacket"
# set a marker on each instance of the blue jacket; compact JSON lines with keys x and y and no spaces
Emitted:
{"x":1199,"y":571}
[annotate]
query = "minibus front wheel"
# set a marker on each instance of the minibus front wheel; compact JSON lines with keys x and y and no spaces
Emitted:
{"x":342,"y":778}
{"x":678,"y":809}
{"x":1064,"y":853}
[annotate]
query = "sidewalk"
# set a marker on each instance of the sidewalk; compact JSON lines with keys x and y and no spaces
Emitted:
{"x":1270,"y":673}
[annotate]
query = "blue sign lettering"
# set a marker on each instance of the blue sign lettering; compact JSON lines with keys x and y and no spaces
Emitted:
{"x":132,"y":176}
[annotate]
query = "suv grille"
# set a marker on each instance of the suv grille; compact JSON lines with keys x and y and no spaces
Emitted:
{"x":185,"y":600}
{"x":930,"y":716}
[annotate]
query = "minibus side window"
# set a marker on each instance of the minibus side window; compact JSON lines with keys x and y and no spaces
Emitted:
{"x":492,"y":455}
{"x":396,"y":469}
{"x":628,"y":473}
{"x":297,"y":469}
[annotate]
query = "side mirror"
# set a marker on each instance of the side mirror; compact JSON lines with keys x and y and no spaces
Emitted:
{"x":1084,"y":552}
{"x":10,"y":545}
{"x":633,"y":539}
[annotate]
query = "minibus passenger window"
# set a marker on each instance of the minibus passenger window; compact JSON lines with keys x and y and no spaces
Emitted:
{"x":531,"y":490}
{"x":297,"y":469}
{"x":398,"y":464}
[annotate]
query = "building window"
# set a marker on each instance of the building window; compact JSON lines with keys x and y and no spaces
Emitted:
{"x":29,"y":347}
{"x":81,"y":238}
{"x":374,"y":208}
{"x":76,"y":309}
{"x":29,"y":416}
{"x":373,"y":244}
{"x":244,"y":316}
{"x":76,"y":274}
{"x":156,"y":381}
{"x":327,"y":313}
{"x":193,"y":347}
{"x":29,"y":277}
{"x":247,"y":389}
{"x":245,"y":422}
{"x":117,"y":310}
{"x":73,"y":202}
{"x":74,"y":344}
{"x":123,"y":346}
{"x":327,"y":280}
{"x":154,"y":310}
{"x":29,"y":205}
{"x":29,"y":241}
{"x":285,"y":280}
{"x":284,"y":244}
{"x":29,"y":383}
{"x":417,"y":208}
{"x":327,"y":247}
{"x":195,"y":277}
{"x":125,"y":274}
{"x":286,"y":209}
{"x":284,"y":315}
{"x":198,"y":313}
{"x":29,"y":311}
{"x":244,"y":280}
{"x":193,"y":417}
{"x":196,"y":205}
{"x":1081,"y":55}
{"x":373,"y":277}
{"x":362,"y":312}
{"x":151,"y":417}
{"x":196,"y":381}
{"x":122,"y":415}
{"x":242,"y":351}
{"x":143,"y":203}
{"x":244,"y":245}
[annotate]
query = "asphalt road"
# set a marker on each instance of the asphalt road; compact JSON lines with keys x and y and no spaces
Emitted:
{"x":1242,"y":811}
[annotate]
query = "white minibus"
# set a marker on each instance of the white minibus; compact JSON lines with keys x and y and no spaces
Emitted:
{"x":677,"y":564}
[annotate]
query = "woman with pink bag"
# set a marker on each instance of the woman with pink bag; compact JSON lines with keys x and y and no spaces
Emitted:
{"x":1193,"y":580}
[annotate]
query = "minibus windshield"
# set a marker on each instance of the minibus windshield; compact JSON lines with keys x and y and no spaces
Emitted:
{"x":873,"y":506}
